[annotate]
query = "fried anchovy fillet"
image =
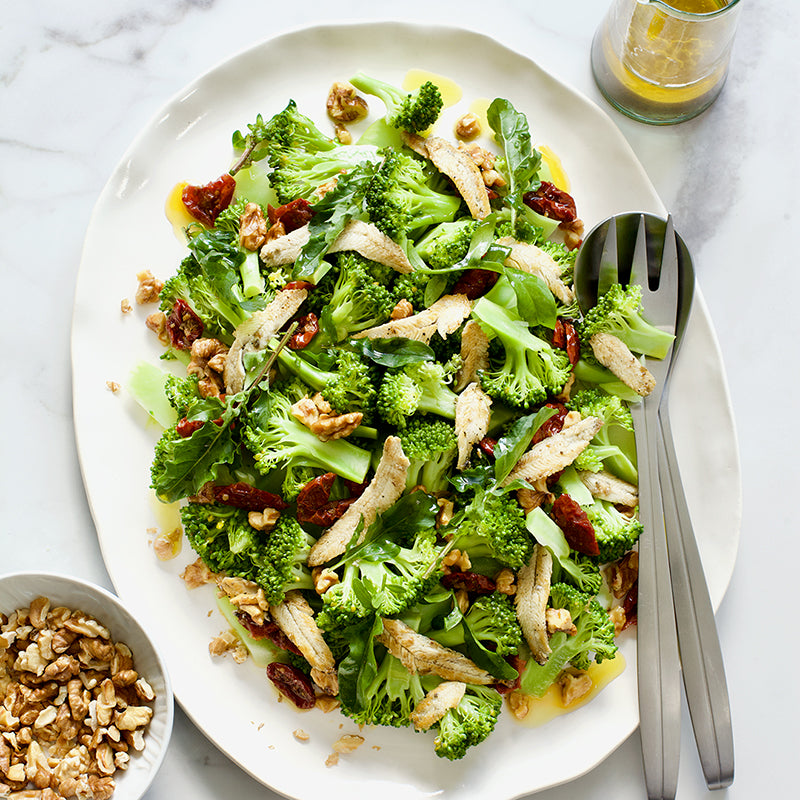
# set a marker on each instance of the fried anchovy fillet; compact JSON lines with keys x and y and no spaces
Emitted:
{"x":423,"y":656}
{"x":443,"y":317}
{"x":614,"y":354}
{"x":610,"y":488}
{"x":474,"y":352}
{"x":363,"y":237}
{"x":256,"y":332}
{"x":382,"y":492}
{"x":437,"y":703}
{"x":555,"y":452}
{"x":473,"y":413}
{"x":535,"y":261}
{"x":533,"y":591}
{"x":296,"y":619}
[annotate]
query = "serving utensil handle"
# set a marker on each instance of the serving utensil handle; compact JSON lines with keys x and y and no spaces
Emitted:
{"x":700,"y":652}
{"x":658,"y":664}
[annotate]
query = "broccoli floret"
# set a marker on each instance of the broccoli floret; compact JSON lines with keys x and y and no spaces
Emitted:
{"x":383,"y":580}
{"x":492,"y":620}
{"x":302,"y":158}
{"x":399,"y":201}
{"x":619,"y":313}
{"x":226,"y":542}
{"x":350,"y":385}
{"x":430,"y":445}
{"x":209,"y":281}
{"x":295,"y":479}
{"x":616,"y":533}
{"x":493,"y":526}
{"x":530,"y":369}
{"x":593,"y":640}
{"x":410,"y":111}
{"x":277,"y":439}
{"x":614,"y":445}
{"x":418,"y":388}
{"x":182,"y":393}
{"x":447,"y":243}
{"x":411,"y":286}
{"x":361,"y":297}
{"x":469,"y":723}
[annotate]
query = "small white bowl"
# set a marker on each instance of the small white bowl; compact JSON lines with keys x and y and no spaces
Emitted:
{"x":18,"y":590}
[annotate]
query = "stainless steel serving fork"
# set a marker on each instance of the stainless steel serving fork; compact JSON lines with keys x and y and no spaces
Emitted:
{"x":658,"y":663}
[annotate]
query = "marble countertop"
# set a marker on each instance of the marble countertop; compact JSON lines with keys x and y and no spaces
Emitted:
{"x":80,"y":80}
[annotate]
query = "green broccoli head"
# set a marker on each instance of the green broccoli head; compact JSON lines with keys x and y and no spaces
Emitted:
{"x":447,"y":244}
{"x":431,"y":446}
{"x":409,"y":111}
{"x":528,"y":370}
{"x":619,"y":313}
{"x":615,"y":531}
{"x":422,"y":387}
{"x":399,"y":200}
{"x":277,"y":439}
{"x":469,"y":723}
{"x":182,"y":393}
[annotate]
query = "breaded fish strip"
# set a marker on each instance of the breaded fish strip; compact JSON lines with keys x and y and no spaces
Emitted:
{"x":614,"y":354}
{"x":473,"y":412}
{"x":255,"y":333}
{"x":474,"y":352}
{"x":437,"y":703}
{"x":459,"y":166}
{"x":296,"y":619}
{"x":535,"y":261}
{"x":443,"y":317}
{"x":423,"y":656}
{"x":363,"y":237}
{"x":610,"y":488}
{"x":382,"y":492}
{"x":555,"y":452}
{"x":533,"y":591}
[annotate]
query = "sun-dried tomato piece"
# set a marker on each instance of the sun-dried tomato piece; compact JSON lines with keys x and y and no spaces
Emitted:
{"x":292,"y":683}
{"x":326,"y":515}
{"x":243,"y":495}
{"x":314,"y":506}
{"x":565,"y":337}
{"x":186,"y":427}
{"x":474,"y":283}
{"x":630,"y":605}
{"x":267,"y":630}
{"x":183,"y":326}
{"x":550,"y":201}
{"x":572,"y":520}
{"x":291,"y":215}
{"x":355,"y":489}
{"x":299,"y":285}
{"x":315,"y":493}
{"x":552,"y":425}
{"x":487,"y":445}
{"x":471,"y":581}
{"x":206,"y":203}
{"x":307,"y":329}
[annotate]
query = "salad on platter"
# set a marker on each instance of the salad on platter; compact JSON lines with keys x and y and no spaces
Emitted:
{"x":399,"y":449}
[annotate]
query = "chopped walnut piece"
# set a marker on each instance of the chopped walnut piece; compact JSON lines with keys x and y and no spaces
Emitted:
{"x":252,"y":227}
{"x":622,"y":574}
{"x":222,"y":644}
{"x":618,"y":617}
{"x":323,"y":579}
{"x":332,"y":760}
{"x":574,"y":683}
{"x":559,"y":620}
{"x":167,"y":545}
{"x":197,"y":574}
{"x":505,"y":581}
{"x":326,"y":704}
{"x":402,"y":310}
{"x":246,"y":596}
{"x":125,"y":306}
{"x":300,"y":735}
{"x":348,"y":743}
{"x":458,"y":559}
{"x":149,"y":287}
{"x":344,"y":104}
{"x":484,"y":160}
{"x":468,"y":126}
{"x":343,"y":136}
{"x":532,"y":498}
{"x":207,"y":362}
{"x":263,"y":520}
{"x":157,"y":322}
{"x":112,"y":386}
{"x":318,"y":417}
{"x":573,"y":233}
{"x":519,"y":704}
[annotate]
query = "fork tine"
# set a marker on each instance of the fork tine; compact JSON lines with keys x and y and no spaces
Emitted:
{"x":639,"y":271}
{"x":607,"y":275}
{"x":668,"y":276}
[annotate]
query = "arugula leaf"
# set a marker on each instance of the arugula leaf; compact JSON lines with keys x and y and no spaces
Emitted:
{"x":494,"y":664}
{"x":331,"y":215}
{"x":509,"y":448}
{"x":359,"y":667}
{"x":535,"y":302}
{"x":512,"y":133}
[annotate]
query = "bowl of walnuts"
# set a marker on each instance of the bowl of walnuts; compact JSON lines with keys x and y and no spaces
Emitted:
{"x":86,"y":705}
